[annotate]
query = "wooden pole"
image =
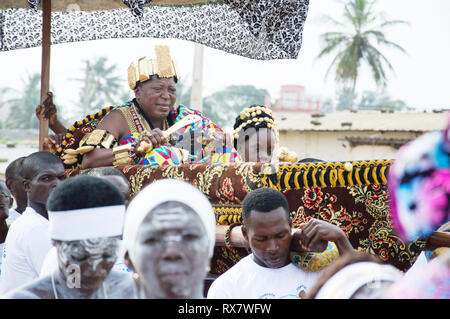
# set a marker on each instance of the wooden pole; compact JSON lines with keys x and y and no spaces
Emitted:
{"x":45,"y":66}
{"x":197,"y":78}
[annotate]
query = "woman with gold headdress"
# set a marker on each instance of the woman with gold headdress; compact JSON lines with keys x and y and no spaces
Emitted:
{"x":149,"y":130}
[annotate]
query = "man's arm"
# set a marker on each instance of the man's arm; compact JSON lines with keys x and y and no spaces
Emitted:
{"x":315,"y":235}
{"x":47,"y":110}
{"x":115,"y":124}
{"x":236,"y":237}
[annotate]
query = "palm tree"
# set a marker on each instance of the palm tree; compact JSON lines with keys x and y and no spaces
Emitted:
{"x":23,"y":103}
{"x":357,"y":43}
{"x":101,"y":86}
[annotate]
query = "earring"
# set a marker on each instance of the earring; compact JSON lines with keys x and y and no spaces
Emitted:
{"x":136,"y":276}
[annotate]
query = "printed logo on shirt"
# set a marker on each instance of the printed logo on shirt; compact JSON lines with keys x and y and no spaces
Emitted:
{"x":301,"y":293}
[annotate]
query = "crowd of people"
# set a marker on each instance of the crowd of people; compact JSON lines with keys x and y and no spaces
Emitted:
{"x":86,"y":237}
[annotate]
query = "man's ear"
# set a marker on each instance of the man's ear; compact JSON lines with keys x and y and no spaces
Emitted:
{"x":137,"y":92}
{"x":8,"y":183}
{"x":128,"y":261}
{"x":26,"y":185}
{"x":244,"y":232}
{"x":11,"y":202}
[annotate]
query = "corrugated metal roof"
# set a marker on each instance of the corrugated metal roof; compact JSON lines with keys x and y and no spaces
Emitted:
{"x":362,"y":121}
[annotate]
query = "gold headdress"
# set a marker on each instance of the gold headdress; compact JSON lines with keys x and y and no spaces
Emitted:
{"x":163,"y":66}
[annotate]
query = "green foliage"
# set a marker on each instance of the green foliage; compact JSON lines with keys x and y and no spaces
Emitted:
{"x":22,"y":104}
{"x":101,"y":87}
{"x":222,"y":107}
{"x":369,"y":100}
{"x":358,"y":42}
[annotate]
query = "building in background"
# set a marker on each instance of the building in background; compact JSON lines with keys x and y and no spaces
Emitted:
{"x":293,"y":98}
{"x":347,"y":136}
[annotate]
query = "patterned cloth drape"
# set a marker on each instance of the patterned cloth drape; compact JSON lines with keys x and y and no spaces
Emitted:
{"x":361,"y":211}
{"x":257,"y":29}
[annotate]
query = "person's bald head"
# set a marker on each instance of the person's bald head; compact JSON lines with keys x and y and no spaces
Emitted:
{"x":41,"y":172}
{"x":14,"y":182}
{"x":35,"y":162}
{"x":116,"y":177}
{"x":5,"y":200}
{"x":13,"y":170}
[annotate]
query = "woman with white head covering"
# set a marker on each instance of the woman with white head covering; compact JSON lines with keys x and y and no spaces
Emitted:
{"x":356,"y":275}
{"x":169,"y":237}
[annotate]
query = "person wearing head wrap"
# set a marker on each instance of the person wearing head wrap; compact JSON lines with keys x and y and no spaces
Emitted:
{"x":169,"y":240}
{"x":85,"y":252}
{"x":356,"y":275}
{"x":419,"y":189}
{"x":419,"y":186}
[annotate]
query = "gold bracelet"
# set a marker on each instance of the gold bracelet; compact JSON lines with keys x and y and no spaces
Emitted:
{"x":228,"y":234}
{"x":122,"y":156}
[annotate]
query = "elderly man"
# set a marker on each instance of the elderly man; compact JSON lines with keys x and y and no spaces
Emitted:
{"x":27,"y":242}
{"x":86,"y":252}
{"x":267,"y":272}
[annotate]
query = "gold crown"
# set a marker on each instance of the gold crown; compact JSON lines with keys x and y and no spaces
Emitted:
{"x":163,"y":66}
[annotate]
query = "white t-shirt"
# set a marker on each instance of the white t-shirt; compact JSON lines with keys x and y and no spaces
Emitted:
{"x":12,"y":216}
{"x":26,"y":246}
{"x":419,"y":265}
{"x":248,"y":280}
{"x":51,"y":261}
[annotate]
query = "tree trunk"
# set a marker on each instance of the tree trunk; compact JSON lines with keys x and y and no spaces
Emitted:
{"x":352,"y":98}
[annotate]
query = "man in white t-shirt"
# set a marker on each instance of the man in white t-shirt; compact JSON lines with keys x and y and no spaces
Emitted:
{"x":13,"y":186}
{"x":86,"y":253}
{"x":267,"y":272}
{"x":28,"y":242}
{"x":5,"y":204}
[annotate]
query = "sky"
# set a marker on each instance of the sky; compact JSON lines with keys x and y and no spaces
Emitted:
{"x":421,"y":77}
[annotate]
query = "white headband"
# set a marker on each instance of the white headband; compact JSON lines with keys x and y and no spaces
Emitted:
{"x":348,"y":280}
{"x":86,"y":223}
{"x":163,"y":191}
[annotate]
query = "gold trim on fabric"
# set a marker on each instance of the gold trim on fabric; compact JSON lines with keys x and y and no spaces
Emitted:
{"x":129,"y":119}
{"x":226,"y":215}
{"x":330,"y":174}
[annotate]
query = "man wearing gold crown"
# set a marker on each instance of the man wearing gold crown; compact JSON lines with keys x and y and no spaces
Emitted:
{"x":149,"y":130}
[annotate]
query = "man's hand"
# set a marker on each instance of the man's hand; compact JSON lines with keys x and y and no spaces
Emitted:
{"x":315,"y":235}
{"x":47,"y":110}
{"x":52,"y":142}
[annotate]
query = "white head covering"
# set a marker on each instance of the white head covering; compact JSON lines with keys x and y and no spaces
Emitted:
{"x":78,"y":224}
{"x":163,"y":191}
{"x":348,"y":280}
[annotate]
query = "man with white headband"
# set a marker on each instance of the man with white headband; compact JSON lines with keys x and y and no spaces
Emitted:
{"x":86,"y":216}
{"x":169,"y":237}
{"x":118,"y":179}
